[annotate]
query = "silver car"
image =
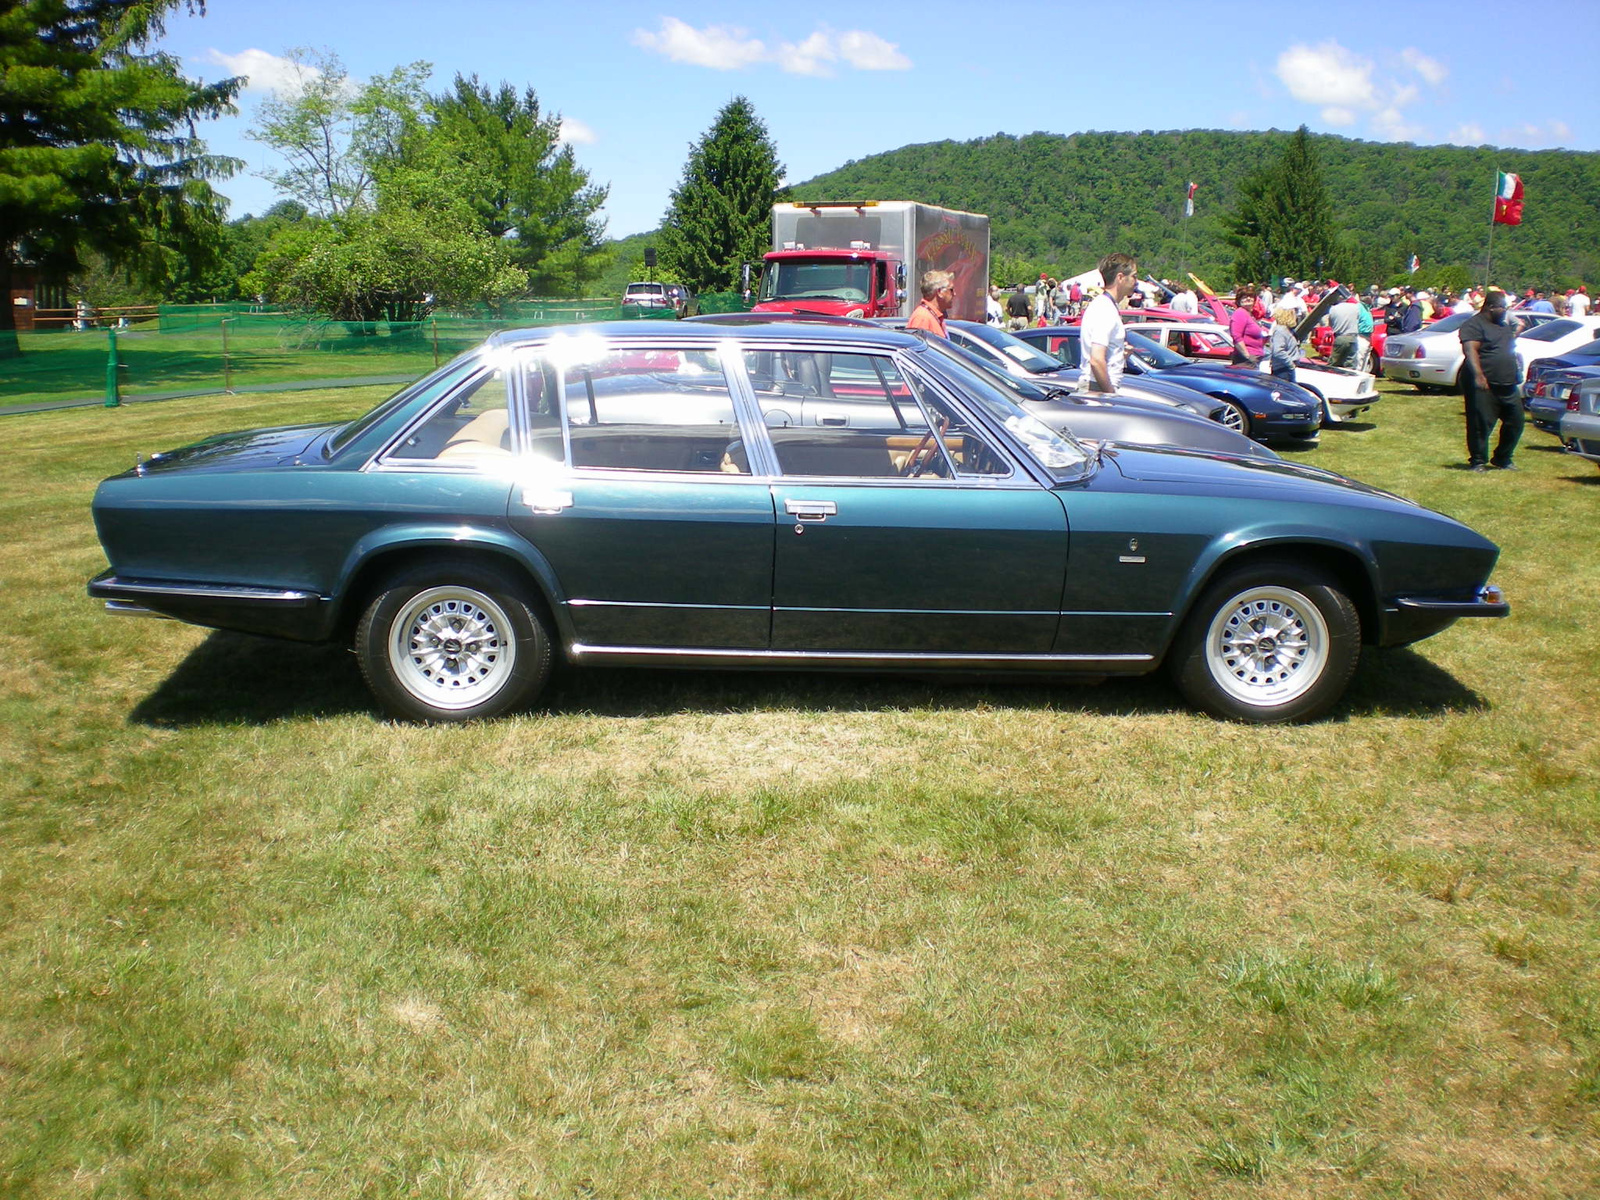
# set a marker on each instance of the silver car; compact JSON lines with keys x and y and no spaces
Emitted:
{"x":1432,"y":358}
{"x":1580,"y":424}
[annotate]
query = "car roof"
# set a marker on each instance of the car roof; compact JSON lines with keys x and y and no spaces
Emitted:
{"x":708,"y":331}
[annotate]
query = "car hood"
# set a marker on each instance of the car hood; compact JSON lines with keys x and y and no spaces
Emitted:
{"x":1245,"y":380}
{"x":1233,"y":474}
{"x":239,"y":451}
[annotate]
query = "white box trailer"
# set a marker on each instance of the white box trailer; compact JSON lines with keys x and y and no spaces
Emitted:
{"x":867,"y":259}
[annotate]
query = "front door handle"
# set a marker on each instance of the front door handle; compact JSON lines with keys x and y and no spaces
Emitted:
{"x":810,"y":510}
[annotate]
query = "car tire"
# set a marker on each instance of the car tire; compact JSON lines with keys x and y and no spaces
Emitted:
{"x":1268,"y":643}
{"x":1234,"y":415}
{"x":448,"y":642}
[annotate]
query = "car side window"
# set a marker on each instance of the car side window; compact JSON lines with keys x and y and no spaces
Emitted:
{"x":472,"y":428}
{"x":652,"y":410}
{"x":858,"y":416}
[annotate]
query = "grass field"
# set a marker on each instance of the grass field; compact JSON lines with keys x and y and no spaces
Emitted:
{"x":710,"y":935}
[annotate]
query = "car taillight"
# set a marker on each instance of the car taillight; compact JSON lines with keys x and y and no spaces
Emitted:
{"x":1572,"y":402}
{"x":1538,"y":388}
{"x":1421,"y":352}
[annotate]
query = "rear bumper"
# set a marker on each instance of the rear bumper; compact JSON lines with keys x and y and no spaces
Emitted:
{"x":271,"y":612}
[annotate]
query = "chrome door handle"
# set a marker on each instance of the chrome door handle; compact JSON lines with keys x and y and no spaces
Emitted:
{"x":810,"y":510}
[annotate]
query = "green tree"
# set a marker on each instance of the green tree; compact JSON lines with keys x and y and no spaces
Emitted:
{"x":333,"y":137}
{"x":720,"y":215}
{"x":520,"y":180}
{"x":1283,"y":223}
{"x":98,"y":155}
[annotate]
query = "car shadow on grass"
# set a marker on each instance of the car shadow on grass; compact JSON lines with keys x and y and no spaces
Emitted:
{"x":233,"y":678}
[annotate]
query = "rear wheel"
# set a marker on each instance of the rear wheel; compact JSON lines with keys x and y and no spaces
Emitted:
{"x":452,"y":642}
{"x":1268,"y":643}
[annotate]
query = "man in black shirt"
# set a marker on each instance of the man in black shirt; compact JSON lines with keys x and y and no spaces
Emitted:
{"x":1489,"y":379}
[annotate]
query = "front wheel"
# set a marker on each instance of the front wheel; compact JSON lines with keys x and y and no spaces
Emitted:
{"x":1267,"y":644}
{"x":448,"y":642}
{"x":1234,"y":416}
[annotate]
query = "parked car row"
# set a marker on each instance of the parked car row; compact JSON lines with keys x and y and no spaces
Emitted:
{"x":750,"y":494}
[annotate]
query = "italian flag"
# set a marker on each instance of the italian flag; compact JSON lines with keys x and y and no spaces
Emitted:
{"x":1508,"y":199}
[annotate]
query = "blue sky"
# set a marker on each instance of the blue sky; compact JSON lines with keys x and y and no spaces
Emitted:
{"x":637,"y":84}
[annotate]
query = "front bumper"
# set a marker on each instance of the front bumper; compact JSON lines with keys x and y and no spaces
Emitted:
{"x":1409,"y":619}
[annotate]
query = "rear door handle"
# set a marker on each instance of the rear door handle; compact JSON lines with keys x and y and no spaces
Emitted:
{"x":810,"y":510}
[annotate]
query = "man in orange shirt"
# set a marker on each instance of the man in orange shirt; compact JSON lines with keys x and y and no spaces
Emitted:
{"x":938,"y":295}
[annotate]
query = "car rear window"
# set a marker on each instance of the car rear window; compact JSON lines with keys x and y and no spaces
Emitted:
{"x":1551,"y":331}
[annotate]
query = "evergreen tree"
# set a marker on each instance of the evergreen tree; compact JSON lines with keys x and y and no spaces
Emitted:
{"x":720,"y":215}
{"x":98,"y":157}
{"x":1283,"y":224}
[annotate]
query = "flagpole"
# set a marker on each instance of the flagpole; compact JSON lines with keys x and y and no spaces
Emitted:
{"x":1488,"y":257}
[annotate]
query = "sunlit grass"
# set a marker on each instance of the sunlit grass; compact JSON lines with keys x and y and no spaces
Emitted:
{"x":697,"y":934}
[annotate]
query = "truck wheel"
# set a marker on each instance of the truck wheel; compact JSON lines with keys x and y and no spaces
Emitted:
{"x":1268,"y":643}
{"x":444,"y":642}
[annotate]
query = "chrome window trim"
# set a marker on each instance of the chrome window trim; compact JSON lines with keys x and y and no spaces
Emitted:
{"x":1015,"y":479}
{"x":382,"y":459}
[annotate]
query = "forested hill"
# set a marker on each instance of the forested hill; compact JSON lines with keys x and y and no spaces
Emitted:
{"x":1061,"y":202}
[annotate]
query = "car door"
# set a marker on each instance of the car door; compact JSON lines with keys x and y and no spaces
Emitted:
{"x":640,"y":496}
{"x":902,"y":528}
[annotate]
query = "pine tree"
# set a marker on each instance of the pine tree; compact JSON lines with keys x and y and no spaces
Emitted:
{"x":1283,"y":223}
{"x":720,"y":215}
{"x":98,"y":155}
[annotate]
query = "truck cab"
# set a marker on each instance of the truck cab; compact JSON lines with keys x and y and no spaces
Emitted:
{"x":842,"y":283}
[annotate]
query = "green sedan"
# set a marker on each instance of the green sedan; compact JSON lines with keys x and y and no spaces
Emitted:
{"x":772,"y":496}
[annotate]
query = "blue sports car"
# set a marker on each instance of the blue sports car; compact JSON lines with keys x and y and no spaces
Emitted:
{"x":772,"y":496}
{"x":1259,"y":406}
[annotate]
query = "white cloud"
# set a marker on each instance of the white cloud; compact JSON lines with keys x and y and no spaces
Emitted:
{"x":1327,"y":75}
{"x":869,"y":52}
{"x":1342,"y":86}
{"x":1468,"y":134}
{"x":575,"y":133}
{"x":813,"y":56}
{"x":727,"y":48}
{"x":720,"y":47}
{"x":264,"y":72}
{"x":1432,"y":70}
{"x":1537,"y":137}
{"x":1392,"y":124}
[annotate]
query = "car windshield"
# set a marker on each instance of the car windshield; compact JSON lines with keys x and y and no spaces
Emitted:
{"x":1585,"y":352}
{"x":433,"y":384}
{"x":848,"y":281}
{"x":1551,"y":331}
{"x":1058,"y":452}
{"x":1029,"y":358}
{"x":1153,"y":354}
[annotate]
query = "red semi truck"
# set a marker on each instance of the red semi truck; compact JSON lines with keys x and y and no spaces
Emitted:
{"x":866,"y":259}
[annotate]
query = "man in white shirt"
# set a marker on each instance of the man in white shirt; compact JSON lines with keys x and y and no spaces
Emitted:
{"x":1293,"y":298}
{"x":993,"y":314}
{"x":1184,"y":301}
{"x":1578,"y":304}
{"x":1104,"y":344}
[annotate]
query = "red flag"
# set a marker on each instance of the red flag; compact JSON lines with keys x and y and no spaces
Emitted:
{"x":1508,"y":199}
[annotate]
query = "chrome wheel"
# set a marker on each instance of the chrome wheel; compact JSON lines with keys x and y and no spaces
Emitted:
{"x":1267,"y":646}
{"x":452,"y":647}
{"x":1233,"y":417}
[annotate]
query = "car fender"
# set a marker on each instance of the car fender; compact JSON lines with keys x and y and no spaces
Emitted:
{"x":364,"y":560}
{"x":1352,"y":559}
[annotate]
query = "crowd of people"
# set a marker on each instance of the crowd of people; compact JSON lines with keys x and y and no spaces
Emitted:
{"x":1263,"y":325}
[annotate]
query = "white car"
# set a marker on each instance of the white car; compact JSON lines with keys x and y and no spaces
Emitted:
{"x":1555,"y":338}
{"x":1344,"y":393}
{"x":1432,"y":358}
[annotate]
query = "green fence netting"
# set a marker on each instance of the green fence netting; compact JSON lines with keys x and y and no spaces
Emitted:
{"x":221,"y":347}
